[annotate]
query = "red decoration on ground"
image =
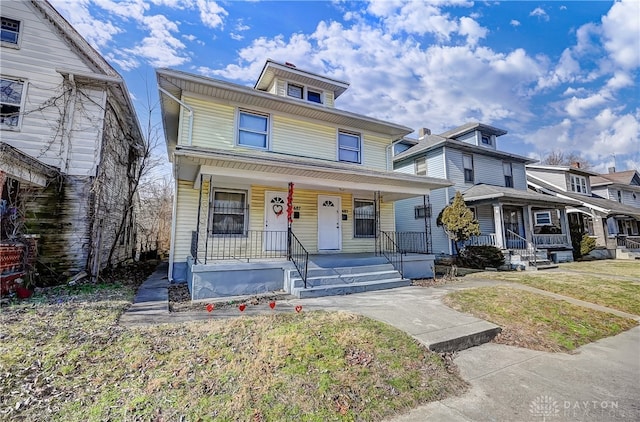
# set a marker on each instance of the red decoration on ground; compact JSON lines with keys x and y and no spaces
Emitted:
{"x":210,"y":307}
{"x":298,"y":308}
{"x":272,"y":304}
{"x":242,"y":307}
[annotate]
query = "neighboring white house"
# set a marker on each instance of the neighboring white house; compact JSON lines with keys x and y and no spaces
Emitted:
{"x":244,"y":157}
{"x":613,"y":223}
{"x":494,"y":185}
{"x":70,"y":142}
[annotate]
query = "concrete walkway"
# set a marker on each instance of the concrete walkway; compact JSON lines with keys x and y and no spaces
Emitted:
{"x":600,"y":382}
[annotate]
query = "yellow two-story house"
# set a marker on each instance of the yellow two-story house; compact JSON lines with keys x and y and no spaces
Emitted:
{"x":276,"y":189}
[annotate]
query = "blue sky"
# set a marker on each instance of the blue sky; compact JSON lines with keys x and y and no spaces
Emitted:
{"x":557,"y":75}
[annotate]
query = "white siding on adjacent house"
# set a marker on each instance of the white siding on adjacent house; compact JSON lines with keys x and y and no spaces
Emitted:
{"x":519,"y":176}
{"x":86,"y":135}
{"x":558,"y":179}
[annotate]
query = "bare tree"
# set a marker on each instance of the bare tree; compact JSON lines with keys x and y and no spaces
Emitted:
{"x":560,"y":158}
{"x":154,"y":217}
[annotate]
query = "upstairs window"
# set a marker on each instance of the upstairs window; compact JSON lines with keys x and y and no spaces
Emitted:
{"x":253,"y":129}
{"x":294,"y":91}
{"x":10,"y":31}
{"x":486,"y":140}
{"x":420,"y":166}
{"x":508,"y":174}
{"x":349,"y":147}
{"x":364,"y":218}
{"x":578,"y":184}
{"x":467,"y":163}
{"x":10,"y":103}
{"x":620,"y":196}
{"x":314,"y":97}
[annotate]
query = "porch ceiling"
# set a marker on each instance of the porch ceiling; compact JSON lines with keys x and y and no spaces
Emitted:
{"x":488,"y":193}
{"x":276,"y":169}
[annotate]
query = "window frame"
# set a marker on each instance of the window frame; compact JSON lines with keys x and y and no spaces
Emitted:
{"x":619,"y":196}
{"x":508,"y":178}
{"x":537,"y":222}
{"x":487,"y":137}
{"x":421,"y":212}
{"x":266,"y":133}
{"x":346,"y":148}
{"x":314,"y":91}
{"x":416,"y":166}
{"x":466,"y":169}
{"x":293,"y":85}
{"x":356,"y":235}
{"x":578,"y":184}
{"x":212,"y":212}
{"x":23,"y":97}
{"x":18,"y":33}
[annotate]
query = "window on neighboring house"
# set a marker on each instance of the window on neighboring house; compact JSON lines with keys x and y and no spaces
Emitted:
{"x":295,"y":91}
{"x":253,"y":129}
{"x":420,"y":165}
{"x":620,"y":196}
{"x":228,"y":212}
{"x":543,"y":218}
{"x":422,"y":211}
{"x":10,"y":103}
{"x":364,"y":218}
{"x":486,"y":140}
{"x":508,"y":174}
{"x":349,"y":147}
{"x":10,"y":31}
{"x":467,"y":163}
{"x":314,"y":97}
{"x":578,"y":184}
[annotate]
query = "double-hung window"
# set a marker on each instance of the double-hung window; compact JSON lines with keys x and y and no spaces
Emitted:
{"x":228,"y":212}
{"x":11,"y":93}
{"x":295,"y":91}
{"x":420,"y":165}
{"x":253,"y":129}
{"x":10,"y":32}
{"x":486,"y":140}
{"x":543,"y":218}
{"x":364,"y":217}
{"x":508,"y":174}
{"x":467,"y":163}
{"x":349,"y":147}
{"x":578,"y":184}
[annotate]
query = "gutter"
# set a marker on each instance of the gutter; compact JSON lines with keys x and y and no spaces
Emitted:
{"x":183,"y":104}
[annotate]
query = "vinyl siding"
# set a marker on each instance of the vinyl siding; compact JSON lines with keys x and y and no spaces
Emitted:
{"x":186,"y":219}
{"x":213,"y":123}
{"x":303,"y":138}
{"x":558,"y":179}
{"x":374,"y":151}
{"x":484,"y":215}
{"x":519,"y":176}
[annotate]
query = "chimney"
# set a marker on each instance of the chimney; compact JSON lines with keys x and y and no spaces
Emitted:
{"x":612,"y":169}
{"x":575,"y":164}
{"x":423,"y":131}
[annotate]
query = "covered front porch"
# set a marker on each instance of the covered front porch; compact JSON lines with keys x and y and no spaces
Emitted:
{"x":531,"y":226}
{"x":258,"y":218}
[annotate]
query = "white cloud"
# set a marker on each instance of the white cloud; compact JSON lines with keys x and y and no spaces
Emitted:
{"x":514,"y":22}
{"x":621,"y":29}
{"x":241,"y":26}
{"x":577,"y":107}
{"x":97,"y":32}
{"x":189,"y":37}
{"x":160,"y":48}
{"x":235,"y":36}
{"x":540,"y":13}
{"x":472,"y":30}
{"x":211,"y":14}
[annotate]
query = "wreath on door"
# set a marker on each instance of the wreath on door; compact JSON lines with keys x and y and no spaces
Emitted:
{"x":277,"y":209}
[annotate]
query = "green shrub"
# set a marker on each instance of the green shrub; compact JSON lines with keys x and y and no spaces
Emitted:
{"x":587,"y":244}
{"x":481,"y":257}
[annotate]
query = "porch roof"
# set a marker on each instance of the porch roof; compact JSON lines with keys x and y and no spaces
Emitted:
{"x":260,"y":167}
{"x":23,"y":167}
{"x":486,"y":193}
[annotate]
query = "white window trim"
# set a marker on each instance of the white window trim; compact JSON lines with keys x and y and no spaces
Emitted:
{"x":360,"y":236}
{"x":25,"y":86}
{"x":20,"y":32}
{"x":305,"y":92}
{"x":465,"y":168}
{"x":508,"y":165}
{"x":302,"y":90}
{"x":489,"y":137}
{"x":415,"y":166}
{"x":237,"y":128}
{"x":212,"y":199}
{"x":360,"y":151}
{"x":540,"y":213}
{"x":578,"y":181}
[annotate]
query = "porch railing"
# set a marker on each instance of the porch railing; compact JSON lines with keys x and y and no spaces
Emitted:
{"x":550,"y":240}
{"x":521,"y":246}
{"x":390,"y":250}
{"x":252,"y":244}
{"x":299,"y":256}
{"x":629,"y":242}
{"x":410,"y":242}
{"x":194,"y":246}
{"x":483,"y":239}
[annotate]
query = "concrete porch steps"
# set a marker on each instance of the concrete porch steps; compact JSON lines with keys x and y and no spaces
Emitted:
{"x":345,"y":280}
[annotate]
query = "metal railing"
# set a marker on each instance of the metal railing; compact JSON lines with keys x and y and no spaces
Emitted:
{"x":252,"y":244}
{"x":629,"y":242}
{"x":410,"y":242}
{"x":548,"y":240}
{"x":521,"y":246}
{"x":194,"y":246}
{"x":483,"y":239}
{"x":390,"y":250}
{"x":299,"y":256}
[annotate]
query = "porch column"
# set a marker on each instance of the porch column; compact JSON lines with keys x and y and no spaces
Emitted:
{"x":599,"y":230}
{"x":499,"y":226}
{"x":564,"y":225}
{"x":529,"y":231}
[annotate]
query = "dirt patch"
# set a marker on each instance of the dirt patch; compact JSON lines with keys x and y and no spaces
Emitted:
{"x":180,"y":300}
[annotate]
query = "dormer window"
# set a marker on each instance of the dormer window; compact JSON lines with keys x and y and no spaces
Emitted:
{"x":294,"y":91}
{"x":578,"y":184}
{"x":314,"y":97}
{"x":486,"y":140}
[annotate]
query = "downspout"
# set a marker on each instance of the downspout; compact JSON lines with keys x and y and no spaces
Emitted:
{"x":174,"y":211}
{"x":447,"y":196}
{"x":183,"y":104}
{"x":386,"y":153}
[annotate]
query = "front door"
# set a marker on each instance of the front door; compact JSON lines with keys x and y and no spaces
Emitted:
{"x":275,"y":221}
{"x":329,"y":227}
{"x":513,"y":222}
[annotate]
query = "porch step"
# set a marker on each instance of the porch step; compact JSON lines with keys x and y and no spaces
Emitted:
{"x":453,"y":339}
{"x":345,"y":280}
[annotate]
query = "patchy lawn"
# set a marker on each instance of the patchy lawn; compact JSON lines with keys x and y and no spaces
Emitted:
{"x":535,"y":321}
{"x":618,"y":294}
{"x":65,"y":357}
{"x":607,"y":266}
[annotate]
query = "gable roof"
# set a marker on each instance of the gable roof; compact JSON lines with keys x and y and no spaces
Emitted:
{"x":628,"y":177}
{"x":431,"y":142}
{"x":471,"y":127}
{"x":561,"y":169}
{"x":484,"y":192}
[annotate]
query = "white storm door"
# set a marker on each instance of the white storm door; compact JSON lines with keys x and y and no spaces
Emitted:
{"x":329,"y":224}
{"x":275,"y":221}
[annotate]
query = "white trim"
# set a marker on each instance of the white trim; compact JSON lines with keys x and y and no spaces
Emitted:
{"x":537,"y":213}
{"x":17,"y":45}
{"x":23,"y":100}
{"x":360,"y":142}
{"x":269,"y":118}
{"x":338,"y":200}
{"x":353,"y":207}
